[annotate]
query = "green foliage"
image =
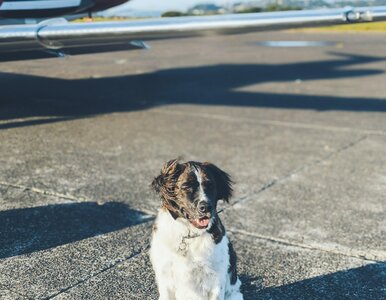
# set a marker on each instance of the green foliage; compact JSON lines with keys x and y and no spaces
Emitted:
{"x":271,"y":7}
{"x":250,"y":10}
{"x":276,"y":7}
{"x":173,"y":13}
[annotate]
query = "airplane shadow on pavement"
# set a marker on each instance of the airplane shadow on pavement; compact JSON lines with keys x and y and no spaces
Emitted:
{"x":26,"y":96}
{"x":27,"y":230}
{"x":366,"y":282}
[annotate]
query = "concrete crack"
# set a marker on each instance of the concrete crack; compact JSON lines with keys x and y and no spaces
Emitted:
{"x":43,"y":192}
{"x":295,"y":172}
{"x":368,"y":255}
{"x":112,"y":265}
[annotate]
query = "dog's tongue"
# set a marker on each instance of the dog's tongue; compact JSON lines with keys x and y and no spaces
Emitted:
{"x":203,"y":222}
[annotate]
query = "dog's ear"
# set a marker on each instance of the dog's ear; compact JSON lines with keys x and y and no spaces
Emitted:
{"x":164,"y":183}
{"x":223,"y":182}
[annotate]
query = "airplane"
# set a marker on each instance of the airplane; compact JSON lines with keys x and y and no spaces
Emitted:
{"x":57,"y":37}
{"x":52,"y":8}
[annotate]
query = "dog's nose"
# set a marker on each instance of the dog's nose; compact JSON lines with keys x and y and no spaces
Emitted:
{"x":204,"y":207}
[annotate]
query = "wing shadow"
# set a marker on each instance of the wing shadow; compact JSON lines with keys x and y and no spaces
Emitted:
{"x":33,"y":229}
{"x":25,"y":96}
{"x":367,"y":282}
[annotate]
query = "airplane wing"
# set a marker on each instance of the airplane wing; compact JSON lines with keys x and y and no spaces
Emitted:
{"x":58,"y":37}
{"x":52,"y":8}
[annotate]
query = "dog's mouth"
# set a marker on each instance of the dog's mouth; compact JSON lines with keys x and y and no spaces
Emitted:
{"x":201,"y":223}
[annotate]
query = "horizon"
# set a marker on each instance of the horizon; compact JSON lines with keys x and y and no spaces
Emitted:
{"x":156,"y":5}
{"x":178,"y":5}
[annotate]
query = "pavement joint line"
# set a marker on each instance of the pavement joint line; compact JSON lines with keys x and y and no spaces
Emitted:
{"x":149,"y":212}
{"x":111,"y":266}
{"x":296,"y":171}
{"x":368,"y":255}
{"x":242,"y":199}
{"x":349,"y":253}
{"x":273,"y":122}
{"x":20,"y":120}
{"x":63,"y":196}
{"x":43,"y":192}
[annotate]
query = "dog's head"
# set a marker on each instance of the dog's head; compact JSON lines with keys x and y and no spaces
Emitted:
{"x":191,"y":190}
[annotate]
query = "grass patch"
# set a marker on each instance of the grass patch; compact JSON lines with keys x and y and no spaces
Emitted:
{"x":103,"y":19}
{"x":354,"y":27}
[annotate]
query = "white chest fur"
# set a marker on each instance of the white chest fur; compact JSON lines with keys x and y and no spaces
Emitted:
{"x":186,"y":267}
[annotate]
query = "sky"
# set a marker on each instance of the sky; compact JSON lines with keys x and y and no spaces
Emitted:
{"x":163,"y":5}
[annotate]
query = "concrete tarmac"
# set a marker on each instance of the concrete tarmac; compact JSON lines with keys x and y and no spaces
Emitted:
{"x":302,"y":131}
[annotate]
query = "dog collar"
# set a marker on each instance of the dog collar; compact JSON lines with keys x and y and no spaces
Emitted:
{"x":183,"y":247}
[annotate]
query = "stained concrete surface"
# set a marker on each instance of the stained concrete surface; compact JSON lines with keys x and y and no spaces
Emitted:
{"x":301,"y":130}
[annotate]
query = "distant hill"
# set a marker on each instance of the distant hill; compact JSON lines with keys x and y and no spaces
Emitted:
{"x":129,"y":12}
{"x":206,"y":9}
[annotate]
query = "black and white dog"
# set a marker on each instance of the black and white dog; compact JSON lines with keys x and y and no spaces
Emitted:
{"x":190,"y":252}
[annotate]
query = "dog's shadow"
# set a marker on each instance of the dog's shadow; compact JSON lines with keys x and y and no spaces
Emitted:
{"x":250,"y":285}
{"x":27,"y":230}
{"x":366,"y":282}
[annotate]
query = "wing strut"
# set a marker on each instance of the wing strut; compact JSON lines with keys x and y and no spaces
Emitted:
{"x":58,"y":35}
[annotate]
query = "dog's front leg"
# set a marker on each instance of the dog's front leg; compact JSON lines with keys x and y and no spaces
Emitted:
{"x":165,"y":290}
{"x":185,"y":294}
{"x":163,"y":278}
{"x":165,"y":294}
{"x":217,"y":293}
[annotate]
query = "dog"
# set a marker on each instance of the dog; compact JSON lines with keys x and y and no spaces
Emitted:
{"x":190,"y":252}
